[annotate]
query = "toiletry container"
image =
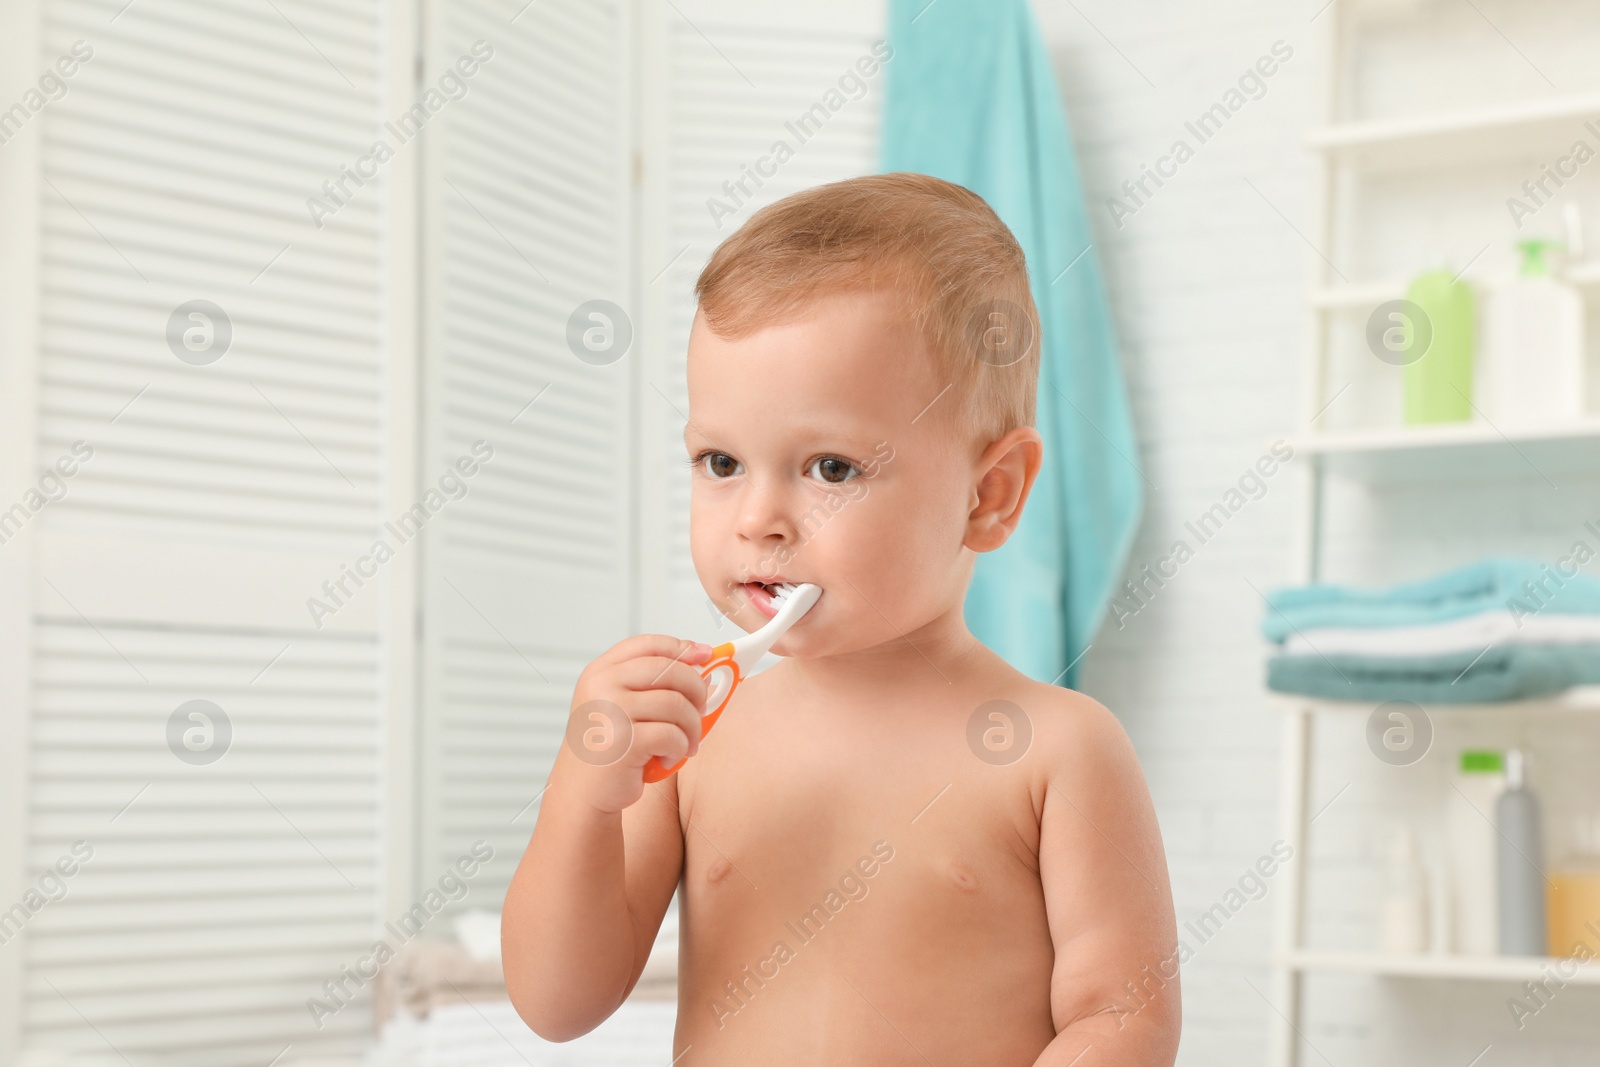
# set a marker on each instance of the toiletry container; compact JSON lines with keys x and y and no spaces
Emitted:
{"x":1438,"y":386}
{"x":1574,"y":906}
{"x":1405,"y":896}
{"x":1441,"y":907}
{"x":1470,"y":809}
{"x":1573,"y":894}
{"x":1533,"y":360}
{"x":1520,"y":865}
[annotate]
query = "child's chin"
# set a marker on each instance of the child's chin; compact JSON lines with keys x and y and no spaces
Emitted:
{"x":795,"y":648}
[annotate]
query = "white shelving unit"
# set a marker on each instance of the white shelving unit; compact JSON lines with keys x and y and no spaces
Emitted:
{"x":1455,"y":451}
{"x":1344,"y":297}
{"x":1465,"y":137}
{"x":1460,"y":451}
{"x":1482,"y":968}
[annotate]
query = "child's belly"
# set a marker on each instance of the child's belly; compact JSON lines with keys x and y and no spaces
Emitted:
{"x":842,"y":917}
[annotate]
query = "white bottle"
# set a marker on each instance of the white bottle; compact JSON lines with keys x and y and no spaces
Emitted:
{"x":1470,"y":809}
{"x":1533,"y":361}
{"x":1441,"y":902}
{"x":1523,"y":928}
{"x":1405,"y":896}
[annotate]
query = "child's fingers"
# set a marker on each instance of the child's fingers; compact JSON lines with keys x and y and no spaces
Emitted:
{"x":656,"y":645}
{"x":669,"y":707}
{"x":653,"y":672}
{"x":657,"y":739}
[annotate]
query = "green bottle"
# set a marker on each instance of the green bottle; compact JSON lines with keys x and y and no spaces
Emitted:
{"x":1438,"y":385}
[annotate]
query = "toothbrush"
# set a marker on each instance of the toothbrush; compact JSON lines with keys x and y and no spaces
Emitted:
{"x":731,"y":660}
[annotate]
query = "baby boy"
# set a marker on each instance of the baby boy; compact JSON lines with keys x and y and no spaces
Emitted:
{"x":895,"y":848}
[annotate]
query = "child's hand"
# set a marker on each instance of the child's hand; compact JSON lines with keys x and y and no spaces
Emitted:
{"x":640,"y":699}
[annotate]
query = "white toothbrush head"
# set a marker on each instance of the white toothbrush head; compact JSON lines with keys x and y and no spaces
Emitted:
{"x":793,"y":602}
{"x":795,"y":598}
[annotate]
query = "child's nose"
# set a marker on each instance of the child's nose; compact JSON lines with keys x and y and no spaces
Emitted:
{"x":764,"y":514}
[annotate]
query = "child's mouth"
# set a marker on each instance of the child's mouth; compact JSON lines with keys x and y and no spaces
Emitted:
{"x":767,"y":596}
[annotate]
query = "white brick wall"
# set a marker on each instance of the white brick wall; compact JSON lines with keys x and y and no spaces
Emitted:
{"x":1207,"y":284}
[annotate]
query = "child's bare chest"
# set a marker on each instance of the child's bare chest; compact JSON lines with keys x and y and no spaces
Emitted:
{"x":855,"y":876}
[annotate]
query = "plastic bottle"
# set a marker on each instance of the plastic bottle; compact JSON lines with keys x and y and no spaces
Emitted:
{"x":1533,"y":365}
{"x":1441,"y":904}
{"x":1405,"y":896}
{"x":1574,"y":898}
{"x":1471,"y":812}
{"x":1438,"y":386}
{"x":1520,"y":864}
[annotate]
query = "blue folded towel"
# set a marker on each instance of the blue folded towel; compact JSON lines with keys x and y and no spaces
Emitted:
{"x":1504,"y":672}
{"x":1500,"y":583}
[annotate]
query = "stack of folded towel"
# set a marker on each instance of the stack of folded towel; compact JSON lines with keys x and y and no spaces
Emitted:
{"x":1501,"y":629}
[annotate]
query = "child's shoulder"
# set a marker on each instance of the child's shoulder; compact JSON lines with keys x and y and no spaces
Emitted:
{"x":1055,"y":730}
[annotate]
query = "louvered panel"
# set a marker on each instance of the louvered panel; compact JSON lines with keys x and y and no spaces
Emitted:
{"x":220,"y":896}
{"x":718,"y":124}
{"x":499,"y":733}
{"x":551,"y":179}
{"x":530,"y":205}
{"x":179,"y":167}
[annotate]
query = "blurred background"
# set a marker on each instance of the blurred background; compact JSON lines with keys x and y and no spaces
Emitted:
{"x":341,"y":392}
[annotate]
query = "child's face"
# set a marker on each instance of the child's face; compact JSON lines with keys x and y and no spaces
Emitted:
{"x":811,"y":469}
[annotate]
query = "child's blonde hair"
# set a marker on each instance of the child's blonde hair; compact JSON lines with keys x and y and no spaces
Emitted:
{"x":960,"y":274}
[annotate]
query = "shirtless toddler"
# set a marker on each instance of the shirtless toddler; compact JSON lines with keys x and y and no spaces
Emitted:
{"x":894,"y":848}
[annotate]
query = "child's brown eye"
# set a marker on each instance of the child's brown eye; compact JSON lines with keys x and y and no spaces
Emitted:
{"x":832,"y":469}
{"x":720,"y":464}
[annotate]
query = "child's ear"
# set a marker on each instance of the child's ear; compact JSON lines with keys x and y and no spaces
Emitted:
{"x":1006,"y":472}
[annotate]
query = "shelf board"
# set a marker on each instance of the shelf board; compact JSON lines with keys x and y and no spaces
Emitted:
{"x":1582,"y":699}
{"x":1537,"y":127}
{"x":1458,"y":451}
{"x":1364,"y":296}
{"x":1472,"y":968}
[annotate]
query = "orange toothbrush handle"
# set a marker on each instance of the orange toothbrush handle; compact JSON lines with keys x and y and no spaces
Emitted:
{"x":722,"y":678}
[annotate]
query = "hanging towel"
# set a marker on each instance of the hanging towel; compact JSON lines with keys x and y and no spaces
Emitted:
{"x":971,"y":98}
{"x":1506,"y":583}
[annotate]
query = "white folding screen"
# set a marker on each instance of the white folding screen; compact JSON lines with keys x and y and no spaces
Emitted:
{"x":749,"y":102}
{"x":530,"y":573}
{"x":242,"y":460}
{"x":217,"y":376}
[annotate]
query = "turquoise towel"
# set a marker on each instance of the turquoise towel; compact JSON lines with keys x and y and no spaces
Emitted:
{"x":971,"y":98}
{"x":1499,"y":583}
{"x":1506,"y":672}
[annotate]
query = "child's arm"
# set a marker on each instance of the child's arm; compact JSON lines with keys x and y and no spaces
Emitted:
{"x":592,"y":888}
{"x":1115,"y":983}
